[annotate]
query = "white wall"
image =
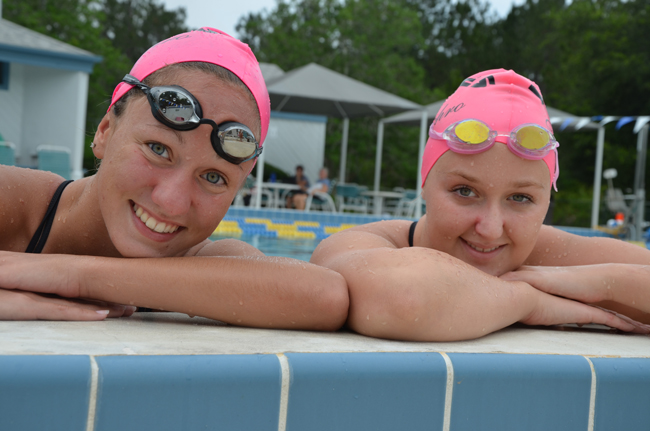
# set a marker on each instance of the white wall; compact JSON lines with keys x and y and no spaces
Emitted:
{"x":54,"y":112}
{"x":296,"y":142}
{"x":11,"y":107}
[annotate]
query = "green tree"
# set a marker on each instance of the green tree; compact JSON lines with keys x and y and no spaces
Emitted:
{"x":135,"y":25}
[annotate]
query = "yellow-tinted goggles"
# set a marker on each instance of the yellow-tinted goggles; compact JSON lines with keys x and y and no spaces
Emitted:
{"x":529,"y":141}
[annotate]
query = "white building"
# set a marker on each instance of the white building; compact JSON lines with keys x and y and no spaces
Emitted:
{"x":43,"y":94}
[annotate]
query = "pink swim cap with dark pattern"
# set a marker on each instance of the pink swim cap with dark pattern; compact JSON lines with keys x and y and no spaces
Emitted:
{"x":500,"y":98}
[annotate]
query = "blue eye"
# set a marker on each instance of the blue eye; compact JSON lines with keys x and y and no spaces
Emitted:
{"x":213,"y":177}
{"x":159,"y":149}
{"x":521,"y":198}
{"x":464,"y":192}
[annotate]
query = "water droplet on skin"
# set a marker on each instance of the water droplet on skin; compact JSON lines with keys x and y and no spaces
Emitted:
{"x":383,"y":323}
{"x":234,"y":314}
{"x":416,"y":319}
{"x":238,"y":320}
{"x":241,"y":302}
{"x":368,"y":317}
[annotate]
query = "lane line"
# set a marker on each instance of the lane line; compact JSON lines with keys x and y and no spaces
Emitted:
{"x":284,"y":393}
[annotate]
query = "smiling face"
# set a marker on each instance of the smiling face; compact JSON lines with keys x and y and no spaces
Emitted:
{"x":162,"y":191}
{"x":486,"y":209}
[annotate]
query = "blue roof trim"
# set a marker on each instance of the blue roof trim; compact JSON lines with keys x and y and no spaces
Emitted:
{"x":53,"y":59}
{"x":299,"y":117}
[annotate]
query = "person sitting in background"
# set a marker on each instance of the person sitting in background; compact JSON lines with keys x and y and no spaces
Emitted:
{"x":480,"y":259}
{"x":182,"y":133}
{"x":321,"y":186}
{"x":301,"y":180}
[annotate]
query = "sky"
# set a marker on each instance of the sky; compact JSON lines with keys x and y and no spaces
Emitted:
{"x":224,"y":14}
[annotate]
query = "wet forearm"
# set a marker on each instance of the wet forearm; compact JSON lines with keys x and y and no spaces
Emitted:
{"x":247,"y":291}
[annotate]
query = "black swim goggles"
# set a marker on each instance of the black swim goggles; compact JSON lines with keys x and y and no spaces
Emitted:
{"x":178,"y":109}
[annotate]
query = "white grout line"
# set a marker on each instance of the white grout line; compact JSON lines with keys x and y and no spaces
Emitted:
{"x":92,"y":401}
{"x":592,"y":396}
{"x":284,"y":393}
{"x":446,"y":422}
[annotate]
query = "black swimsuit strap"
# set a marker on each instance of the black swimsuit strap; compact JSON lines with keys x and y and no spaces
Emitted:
{"x":40,"y":236}
{"x":412,"y":232}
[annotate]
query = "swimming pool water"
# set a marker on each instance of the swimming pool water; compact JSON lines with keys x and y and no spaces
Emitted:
{"x":295,"y":248}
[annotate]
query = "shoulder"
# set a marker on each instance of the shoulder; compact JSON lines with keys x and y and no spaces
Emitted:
{"x":24,"y":197}
{"x":223,"y":247}
{"x":390,"y":234}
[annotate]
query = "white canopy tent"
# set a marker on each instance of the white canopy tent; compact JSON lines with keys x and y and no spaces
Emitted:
{"x":314,"y":89}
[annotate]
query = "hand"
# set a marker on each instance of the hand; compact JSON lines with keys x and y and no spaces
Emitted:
{"x":19,"y":305}
{"x":552,"y":310}
{"x":586,"y":284}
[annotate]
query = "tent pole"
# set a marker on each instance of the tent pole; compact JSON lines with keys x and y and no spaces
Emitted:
{"x":423,"y":140}
{"x":344,"y":150}
{"x":598,"y":175}
{"x":378,"y":155}
{"x":258,"y":181}
{"x":639,"y":181}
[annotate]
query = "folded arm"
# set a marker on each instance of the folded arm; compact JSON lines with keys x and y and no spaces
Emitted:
{"x":611,"y":273}
{"x":414,"y":293}
{"x":246,"y":288}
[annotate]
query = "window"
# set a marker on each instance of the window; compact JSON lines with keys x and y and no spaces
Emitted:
{"x":4,"y":76}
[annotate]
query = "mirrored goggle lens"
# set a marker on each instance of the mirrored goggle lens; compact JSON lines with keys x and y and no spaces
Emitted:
{"x":238,"y":142}
{"x":175,"y":106}
{"x":532,"y":137}
{"x":472,"y":132}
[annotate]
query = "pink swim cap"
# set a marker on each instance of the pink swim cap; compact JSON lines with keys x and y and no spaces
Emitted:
{"x":500,"y":98}
{"x":207,"y":45}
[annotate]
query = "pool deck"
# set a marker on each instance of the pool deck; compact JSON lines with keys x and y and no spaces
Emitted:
{"x":164,"y":371}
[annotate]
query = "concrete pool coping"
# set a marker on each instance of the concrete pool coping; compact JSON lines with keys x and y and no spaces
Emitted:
{"x":175,"y":333}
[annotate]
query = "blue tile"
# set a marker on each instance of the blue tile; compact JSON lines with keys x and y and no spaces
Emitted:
{"x":366,"y":391}
{"x":520,"y":392}
{"x":44,"y":392}
{"x":622,"y":394}
{"x":234,"y":392}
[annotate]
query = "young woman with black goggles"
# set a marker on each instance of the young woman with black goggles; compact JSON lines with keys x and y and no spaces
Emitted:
{"x":158,"y":194}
